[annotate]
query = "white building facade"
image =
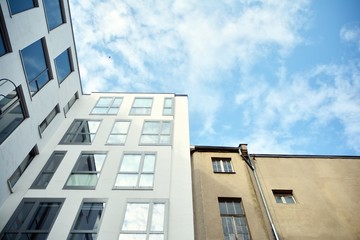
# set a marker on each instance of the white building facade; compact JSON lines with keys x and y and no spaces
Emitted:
{"x":74,"y":166}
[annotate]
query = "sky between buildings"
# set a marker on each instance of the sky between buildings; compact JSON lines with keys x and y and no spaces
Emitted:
{"x":281,"y":76}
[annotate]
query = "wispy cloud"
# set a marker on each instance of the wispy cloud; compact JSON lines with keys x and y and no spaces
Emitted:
{"x":351,"y":33}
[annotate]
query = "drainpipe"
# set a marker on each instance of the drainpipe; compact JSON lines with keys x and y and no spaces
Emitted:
{"x":246,"y":157}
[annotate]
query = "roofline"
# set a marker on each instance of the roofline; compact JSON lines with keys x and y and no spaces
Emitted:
{"x":119,"y":92}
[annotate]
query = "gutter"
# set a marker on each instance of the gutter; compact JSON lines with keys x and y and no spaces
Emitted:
{"x":246,"y":157}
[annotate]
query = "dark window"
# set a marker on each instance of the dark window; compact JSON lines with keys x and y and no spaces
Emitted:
{"x":36,"y":65}
{"x":63,"y":65}
{"x":87,"y":222}
{"x":233,"y":219}
{"x":54,"y":13}
{"x":33,"y":219}
{"x":71,"y":102}
{"x":222,"y":165}
{"x":284,"y":196}
{"x":81,"y":132}
{"x":48,"y":171}
{"x":45,"y":123}
{"x":4,"y":38}
{"x":17,"y":6}
{"x":22,"y":167}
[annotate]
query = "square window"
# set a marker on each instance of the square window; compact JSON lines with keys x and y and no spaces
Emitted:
{"x":63,"y":65}
{"x":36,"y":65}
{"x":156,"y":133}
{"x":81,"y":132}
{"x":141,"y":106}
{"x":54,"y":13}
{"x":119,"y":132}
{"x":107,"y":105}
{"x":222,"y":165}
{"x":284,"y":196}
{"x":17,"y":6}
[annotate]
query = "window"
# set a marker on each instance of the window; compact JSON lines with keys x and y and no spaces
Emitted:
{"x":81,"y":132}
{"x":22,"y":167}
{"x":87,"y":223}
{"x":119,"y":132}
{"x":168,"y":106}
{"x":284,"y":196}
{"x":13,"y":110}
{"x":36,"y":65}
{"x":71,"y":102}
{"x":107,"y":105}
{"x":141,"y":106}
{"x":144,"y":220}
{"x":233,"y":219}
{"x":63,"y":65}
{"x":156,"y":133}
{"x":54,"y":13}
{"x":136,"y":171}
{"x":48,"y":171}
{"x":86,"y":171}
{"x":33,"y":219}
{"x":222,"y":165}
{"x":44,"y":124}
{"x":17,"y":6}
{"x":4,"y":38}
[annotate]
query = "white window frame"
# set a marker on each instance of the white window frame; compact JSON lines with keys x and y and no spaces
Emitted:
{"x":107,"y":108}
{"x":170,"y":108}
{"x":112,"y":133}
{"x":157,"y":134}
{"x":141,"y":110}
{"x":222,"y":165}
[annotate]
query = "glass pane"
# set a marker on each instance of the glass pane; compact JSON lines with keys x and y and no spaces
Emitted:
{"x":126,"y":180}
{"x":230,"y":207}
{"x":166,"y":128}
{"x":21,"y":216}
{"x":104,"y":102}
{"x":42,"y":181}
{"x":165,"y":139}
{"x":53,"y":13}
{"x":62,"y":63}
{"x":98,"y":110}
{"x":74,"y":126}
{"x":82,"y":236}
{"x":117,"y":102}
{"x":92,"y":126}
{"x":113,"y":110}
{"x":238,"y":208}
{"x":136,"y":217}
{"x":168,"y":103}
{"x":289,"y":199}
{"x":17,"y":6}
{"x":33,"y":236}
{"x":227,"y":166}
{"x":83,"y":138}
{"x":143,"y":102}
{"x":116,"y":139}
{"x":89,"y":216}
{"x":54,"y":162}
{"x":124,"y":236}
{"x":85,"y":180}
{"x":156,"y":237}
{"x":120,"y":127}
{"x":151,"y":128}
{"x":216,"y":166}
{"x":278,"y":199}
{"x":167,"y":111}
{"x":222,"y":206}
{"x":130,"y":163}
{"x":158,"y":214}
{"x":149,"y":139}
{"x":149,"y":163}
{"x":146,"y":180}
{"x":45,"y":216}
{"x":90,"y":162}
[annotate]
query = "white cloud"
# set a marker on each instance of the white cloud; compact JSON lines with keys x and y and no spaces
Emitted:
{"x":351,"y":33}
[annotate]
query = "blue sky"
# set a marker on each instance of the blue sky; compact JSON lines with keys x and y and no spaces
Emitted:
{"x":281,"y":76}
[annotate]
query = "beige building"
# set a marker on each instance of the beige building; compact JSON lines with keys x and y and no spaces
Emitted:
{"x":266,"y":196}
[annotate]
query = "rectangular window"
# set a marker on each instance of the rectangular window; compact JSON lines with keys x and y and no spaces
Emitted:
{"x":44,"y":124}
{"x":17,"y":6}
{"x":54,"y":13}
{"x":86,"y":171}
{"x":63,"y":65}
{"x":233,"y":219}
{"x":48,"y":170}
{"x":22,"y":167}
{"x":87,"y":222}
{"x":33,"y":219}
{"x":36,"y":65}
{"x":141,"y":106}
{"x":284,"y":196}
{"x":222,"y":165}
{"x":119,"y":132}
{"x":107,"y":105}
{"x":144,"y":220}
{"x":136,"y":171}
{"x":4,"y":37}
{"x":71,"y":102}
{"x":168,"y":106}
{"x":13,"y":110}
{"x":156,"y":133}
{"x":81,"y":132}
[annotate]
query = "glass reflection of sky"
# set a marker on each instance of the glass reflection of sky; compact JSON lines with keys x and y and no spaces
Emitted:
{"x":53,"y":13}
{"x":136,"y":216}
{"x":62,"y":64}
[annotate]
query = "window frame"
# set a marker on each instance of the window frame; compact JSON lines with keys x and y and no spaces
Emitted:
{"x":133,"y":109}
{"x":4,"y":35}
{"x":158,"y":134}
{"x":140,"y":171}
{"x":119,"y":134}
{"x":35,"y":3}
{"x":79,"y":172}
{"x":171,"y":108}
{"x":71,"y":65}
{"x":78,"y":132}
{"x":221,"y":161}
{"x":70,"y":103}
{"x":79,"y":212}
{"x":109,"y":107}
{"x":48,"y":119}
{"x":283,"y":195}
{"x":62,"y":12}
{"x":29,"y":218}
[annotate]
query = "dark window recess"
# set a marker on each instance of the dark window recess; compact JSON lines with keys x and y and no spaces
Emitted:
{"x":5,"y":46}
{"x":81,"y":132}
{"x":45,"y":123}
{"x":54,"y":13}
{"x":63,"y":65}
{"x":71,"y":102}
{"x":17,"y":6}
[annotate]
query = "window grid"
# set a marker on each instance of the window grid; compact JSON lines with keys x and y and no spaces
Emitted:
{"x":233,"y":219}
{"x":107,"y":105}
{"x":119,"y":133}
{"x":141,"y":106}
{"x":33,"y":219}
{"x":222,"y":165}
{"x":81,"y":131}
{"x":168,"y":106}
{"x":136,"y":171}
{"x":86,"y":171}
{"x":156,"y":133}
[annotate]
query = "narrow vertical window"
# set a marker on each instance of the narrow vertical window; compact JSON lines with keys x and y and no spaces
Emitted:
{"x":54,"y":13}
{"x":48,"y":171}
{"x":107,"y":105}
{"x":86,"y":171}
{"x":4,"y":37}
{"x":168,"y":106}
{"x":45,"y":123}
{"x":17,"y":6}
{"x":87,"y":222}
{"x":63,"y":65}
{"x":118,"y":133}
{"x":71,"y":102}
{"x":141,"y":106}
{"x":156,"y":133}
{"x":81,"y":132}
{"x":233,"y":219}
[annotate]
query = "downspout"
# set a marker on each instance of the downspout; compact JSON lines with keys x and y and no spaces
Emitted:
{"x":246,"y":157}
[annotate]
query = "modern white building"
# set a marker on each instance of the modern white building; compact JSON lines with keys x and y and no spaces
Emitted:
{"x":75,"y":166}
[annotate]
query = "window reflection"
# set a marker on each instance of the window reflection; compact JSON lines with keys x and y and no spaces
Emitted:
{"x":63,"y":65}
{"x":53,"y":11}
{"x":156,"y":132}
{"x":17,"y":6}
{"x":81,"y":131}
